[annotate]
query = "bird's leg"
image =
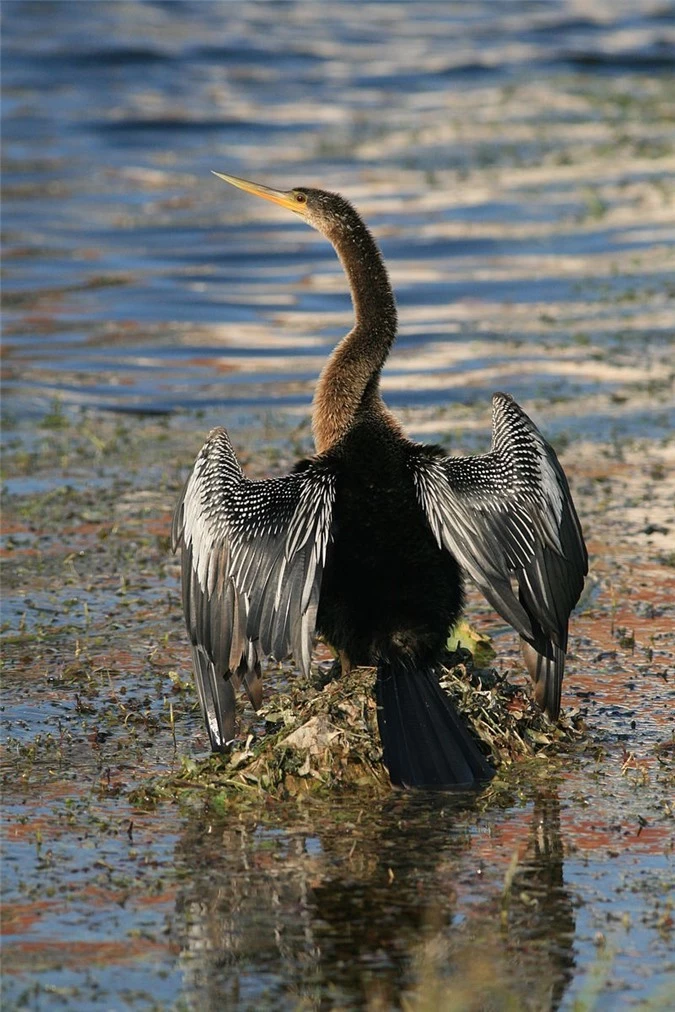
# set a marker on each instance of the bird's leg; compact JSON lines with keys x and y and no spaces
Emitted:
{"x":345,"y":664}
{"x":340,"y":668}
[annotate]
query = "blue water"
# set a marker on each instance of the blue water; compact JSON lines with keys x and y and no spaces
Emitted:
{"x":130,"y":270}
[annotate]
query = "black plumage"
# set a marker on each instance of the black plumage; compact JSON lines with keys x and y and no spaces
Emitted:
{"x":366,"y":542}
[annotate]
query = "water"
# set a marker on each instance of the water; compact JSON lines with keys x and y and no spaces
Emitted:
{"x":515,"y":160}
{"x":470,"y":136}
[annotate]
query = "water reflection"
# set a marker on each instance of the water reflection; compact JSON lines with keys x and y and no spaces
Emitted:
{"x":371,"y":904}
{"x":540,"y":911}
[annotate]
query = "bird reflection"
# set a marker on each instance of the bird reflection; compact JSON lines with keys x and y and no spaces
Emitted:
{"x":370,"y":904}
{"x":540,"y":915}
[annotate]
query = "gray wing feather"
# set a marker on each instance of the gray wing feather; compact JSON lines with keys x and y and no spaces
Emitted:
{"x":252,"y":556}
{"x":509,"y":519}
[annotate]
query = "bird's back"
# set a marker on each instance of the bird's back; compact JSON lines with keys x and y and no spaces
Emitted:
{"x":387,"y":587}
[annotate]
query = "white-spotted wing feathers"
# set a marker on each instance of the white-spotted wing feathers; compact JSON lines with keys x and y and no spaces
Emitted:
{"x":508,"y":518}
{"x":252,"y":559}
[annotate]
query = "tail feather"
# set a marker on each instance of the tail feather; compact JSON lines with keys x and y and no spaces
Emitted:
{"x":424,"y":741}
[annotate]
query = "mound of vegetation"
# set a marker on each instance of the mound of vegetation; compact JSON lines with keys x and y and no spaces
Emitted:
{"x":322,"y":735}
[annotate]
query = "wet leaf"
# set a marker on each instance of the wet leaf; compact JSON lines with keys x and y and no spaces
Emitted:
{"x":464,"y":637}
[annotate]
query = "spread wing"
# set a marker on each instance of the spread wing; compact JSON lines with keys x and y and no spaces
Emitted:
{"x":252,"y":557}
{"x":509,"y":519}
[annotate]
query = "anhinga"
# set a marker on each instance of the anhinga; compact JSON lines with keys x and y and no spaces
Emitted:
{"x":365,"y":543}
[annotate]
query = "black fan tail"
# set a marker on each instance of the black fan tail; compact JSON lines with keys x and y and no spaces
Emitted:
{"x":424,"y":741}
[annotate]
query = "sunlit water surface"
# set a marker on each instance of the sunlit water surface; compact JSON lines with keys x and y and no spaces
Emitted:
{"x":476,"y":140}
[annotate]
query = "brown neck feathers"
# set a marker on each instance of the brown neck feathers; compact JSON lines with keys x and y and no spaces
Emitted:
{"x":349,"y":382}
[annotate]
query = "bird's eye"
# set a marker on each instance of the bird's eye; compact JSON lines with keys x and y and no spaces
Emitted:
{"x":300,"y":198}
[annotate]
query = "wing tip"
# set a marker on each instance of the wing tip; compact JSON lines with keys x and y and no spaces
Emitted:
{"x":217,"y":430}
{"x":500,"y":399}
{"x":217,"y":701}
{"x":546,"y":672}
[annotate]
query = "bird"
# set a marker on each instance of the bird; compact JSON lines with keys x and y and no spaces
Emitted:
{"x":367,"y":543}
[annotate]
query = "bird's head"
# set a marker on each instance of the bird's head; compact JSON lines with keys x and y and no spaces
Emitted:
{"x":324,"y":211}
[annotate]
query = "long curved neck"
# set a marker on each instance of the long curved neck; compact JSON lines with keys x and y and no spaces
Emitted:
{"x":350,"y":380}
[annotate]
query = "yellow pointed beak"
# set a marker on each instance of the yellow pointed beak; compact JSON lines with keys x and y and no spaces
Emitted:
{"x":288,"y":199}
